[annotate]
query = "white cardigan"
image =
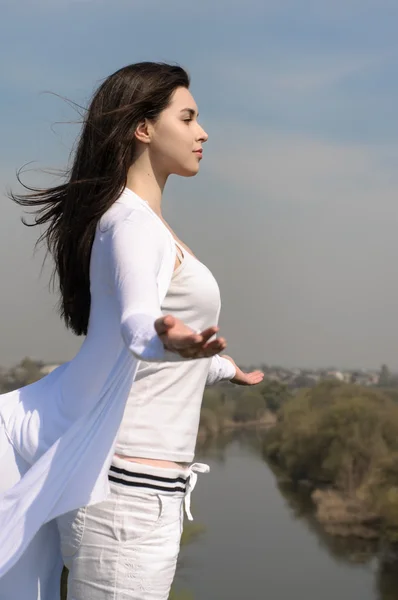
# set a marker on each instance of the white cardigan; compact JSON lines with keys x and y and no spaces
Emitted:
{"x":65,"y":425}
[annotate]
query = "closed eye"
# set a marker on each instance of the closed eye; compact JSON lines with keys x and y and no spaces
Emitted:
{"x":191,"y":112}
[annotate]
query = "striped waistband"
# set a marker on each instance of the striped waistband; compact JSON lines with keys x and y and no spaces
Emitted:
{"x":139,"y":475}
{"x":128,"y":476}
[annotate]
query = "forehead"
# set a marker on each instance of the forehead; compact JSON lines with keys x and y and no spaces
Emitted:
{"x":182,"y":98}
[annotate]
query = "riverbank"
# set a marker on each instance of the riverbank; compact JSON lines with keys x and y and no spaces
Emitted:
{"x":261,"y":536}
{"x":211,"y":426}
{"x":345,"y":516}
{"x":227,"y":408}
{"x":342,"y":441}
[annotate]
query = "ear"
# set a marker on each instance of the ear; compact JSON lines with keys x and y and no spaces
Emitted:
{"x":143,"y":132}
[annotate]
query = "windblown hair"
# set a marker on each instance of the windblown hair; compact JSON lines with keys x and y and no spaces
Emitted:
{"x":98,"y":172}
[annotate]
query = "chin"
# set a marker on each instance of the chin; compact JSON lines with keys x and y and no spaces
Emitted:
{"x":188,"y":172}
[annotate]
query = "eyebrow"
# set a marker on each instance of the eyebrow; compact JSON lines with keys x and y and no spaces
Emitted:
{"x":191,"y":111}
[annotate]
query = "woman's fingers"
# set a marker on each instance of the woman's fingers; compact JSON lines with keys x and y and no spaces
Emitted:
{"x":204,"y":336}
{"x":256,"y":374}
{"x":218,"y":344}
{"x":204,"y":350}
{"x":254,"y":377}
{"x":198,"y":340}
{"x":163,"y":324}
{"x":213,"y":347}
{"x":209,"y":332}
{"x":179,"y":338}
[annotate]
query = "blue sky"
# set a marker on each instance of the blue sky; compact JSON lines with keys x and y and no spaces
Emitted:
{"x":299,"y":99}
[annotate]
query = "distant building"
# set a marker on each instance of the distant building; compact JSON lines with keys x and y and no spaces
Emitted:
{"x":336,"y":374}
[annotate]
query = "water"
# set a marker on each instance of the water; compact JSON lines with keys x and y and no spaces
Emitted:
{"x":261,"y":540}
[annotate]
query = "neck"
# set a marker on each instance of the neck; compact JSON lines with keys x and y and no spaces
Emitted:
{"x":146,"y":183}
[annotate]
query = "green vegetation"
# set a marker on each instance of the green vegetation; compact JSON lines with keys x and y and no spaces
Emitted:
{"x":228,"y":407}
{"x":26,"y":372}
{"x":182,"y":595}
{"x":343,"y":440}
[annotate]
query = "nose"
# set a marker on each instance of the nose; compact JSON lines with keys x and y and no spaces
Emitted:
{"x":203,"y":136}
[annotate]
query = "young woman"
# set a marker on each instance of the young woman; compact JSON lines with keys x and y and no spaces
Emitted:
{"x":96,"y":458}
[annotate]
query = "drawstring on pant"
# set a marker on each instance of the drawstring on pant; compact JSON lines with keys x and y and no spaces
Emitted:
{"x":192,"y":473}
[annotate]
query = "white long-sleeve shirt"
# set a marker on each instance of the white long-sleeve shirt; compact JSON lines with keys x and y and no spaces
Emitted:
{"x":65,"y":425}
{"x":162,"y":413}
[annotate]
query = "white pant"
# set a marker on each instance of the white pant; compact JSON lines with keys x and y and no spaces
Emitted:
{"x":126,"y":548}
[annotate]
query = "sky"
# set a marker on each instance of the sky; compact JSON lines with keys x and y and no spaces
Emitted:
{"x":295,"y":209}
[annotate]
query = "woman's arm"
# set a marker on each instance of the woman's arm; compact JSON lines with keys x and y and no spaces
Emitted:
{"x":225,"y":368}
{"x":221,"y":369}
{"x":135,"y":252}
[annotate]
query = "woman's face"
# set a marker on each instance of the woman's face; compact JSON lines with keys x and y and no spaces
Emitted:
{"x":177,"y":138}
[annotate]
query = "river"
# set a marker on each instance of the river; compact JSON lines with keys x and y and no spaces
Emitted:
{"x":260,"y":538}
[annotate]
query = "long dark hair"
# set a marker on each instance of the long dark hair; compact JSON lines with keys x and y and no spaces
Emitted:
{"x":98,"y":172}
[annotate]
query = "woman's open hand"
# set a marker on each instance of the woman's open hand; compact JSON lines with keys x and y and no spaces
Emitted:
{"x":178,"y":337}
{"x":242,"y":378}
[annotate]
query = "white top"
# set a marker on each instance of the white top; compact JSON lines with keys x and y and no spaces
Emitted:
{"x":161,"y":418}
{"x":66,"y":424}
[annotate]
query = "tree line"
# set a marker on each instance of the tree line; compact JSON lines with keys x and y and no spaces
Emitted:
{"x":342,"y":439}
